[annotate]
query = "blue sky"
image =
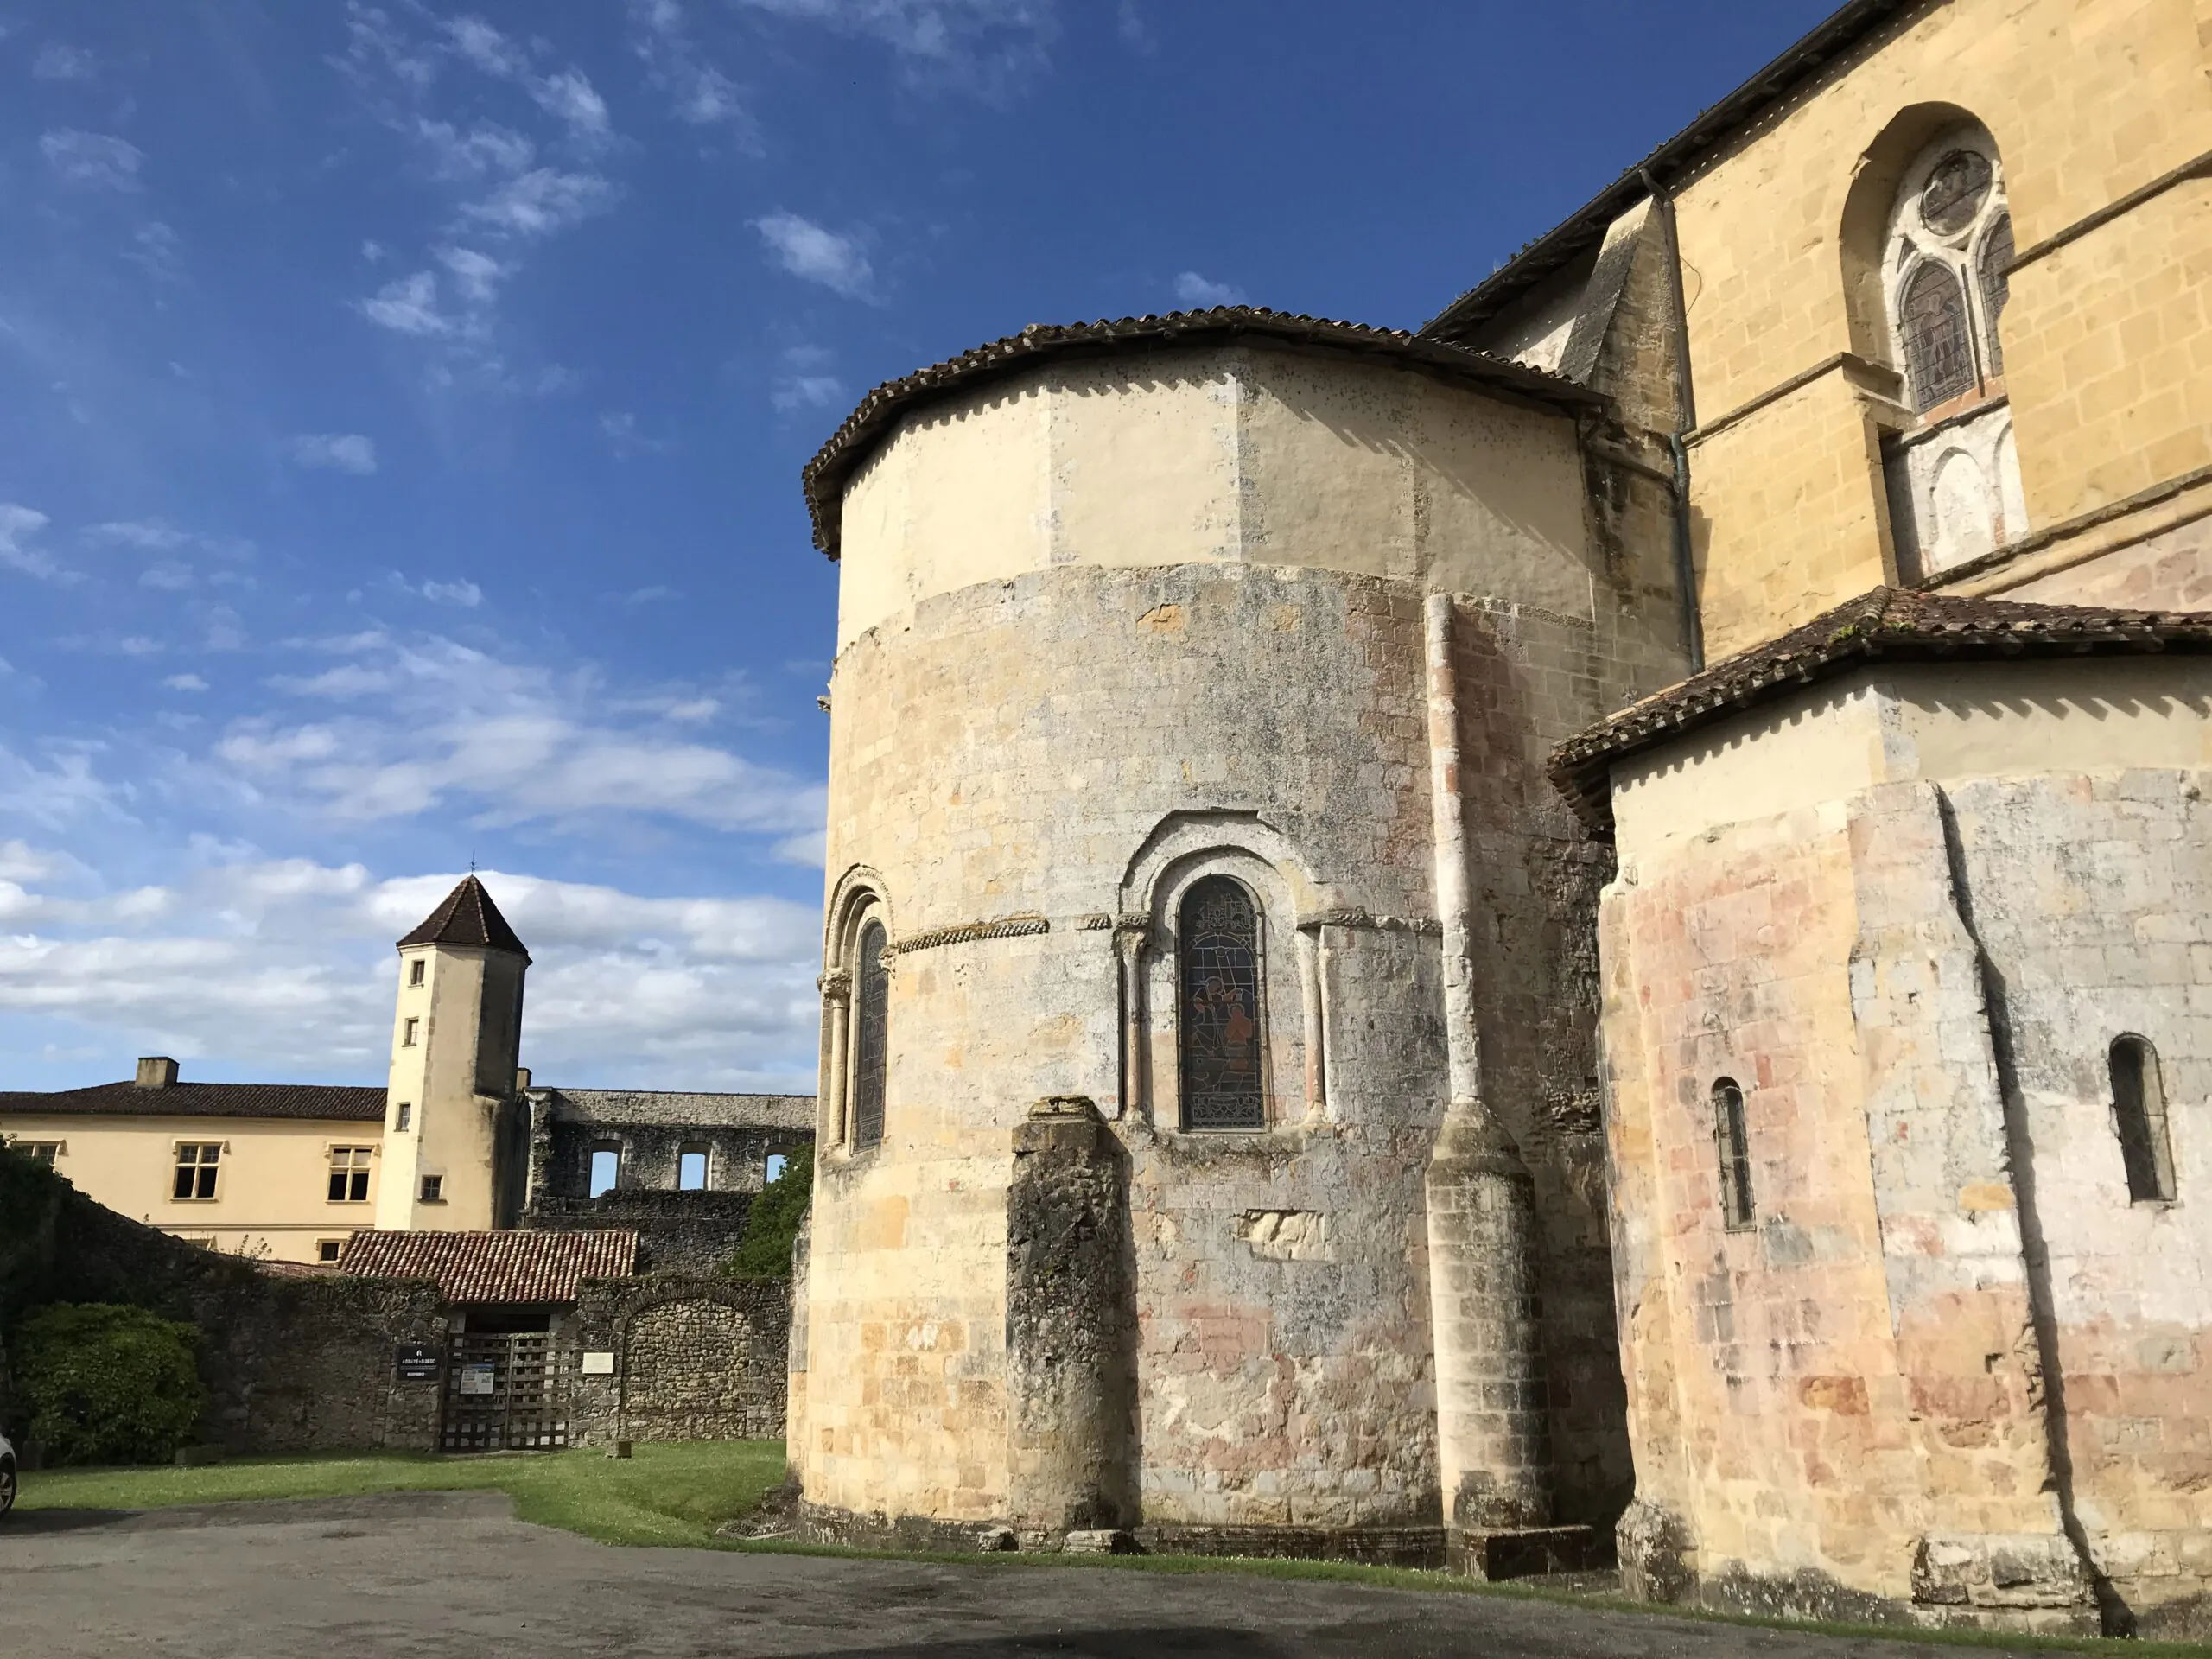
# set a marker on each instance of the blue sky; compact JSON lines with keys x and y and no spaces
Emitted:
{"x":401,"y":408}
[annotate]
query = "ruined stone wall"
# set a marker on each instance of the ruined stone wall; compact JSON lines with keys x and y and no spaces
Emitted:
{"x":678,"y":1232}
{"x":1914,"y":975}
{"x":695,"y":1358}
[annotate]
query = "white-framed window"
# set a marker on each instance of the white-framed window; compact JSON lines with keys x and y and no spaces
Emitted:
{"x":328,"y":1250}
{"x":39,"y":1151}
{"x":349,"y":1174}
{"x":198,"y":1165}
{"x":434,"y":1189}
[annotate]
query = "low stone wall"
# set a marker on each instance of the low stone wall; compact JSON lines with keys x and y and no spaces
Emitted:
{"x":693,"y":1359}
{"x":678,"y":1232}
{"x":291,"y":1363}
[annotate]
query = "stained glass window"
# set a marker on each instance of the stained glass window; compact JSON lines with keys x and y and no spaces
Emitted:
{"x":1933,"y":318}
{"x":872,"y":1016}
{"x":1220,"y":972}
{"x":1996,"y":287}
{"x":1955,"y":189}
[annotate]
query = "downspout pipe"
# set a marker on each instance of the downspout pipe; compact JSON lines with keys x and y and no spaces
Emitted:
{"x":1684,"y":422}
{"x":1492,"y":1406}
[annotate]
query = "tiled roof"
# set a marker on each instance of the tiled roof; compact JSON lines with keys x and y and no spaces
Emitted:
{"x":824,"y":476}
{"x":1888,"y":624}
{"x":326,"y":1101}
{"x":505,"y":1266}
{"x":467,"y":917}
{"x":1761,"y":96}
{"x":669,"y":1107}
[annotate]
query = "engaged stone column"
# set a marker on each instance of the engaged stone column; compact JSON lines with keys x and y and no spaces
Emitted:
{"x":1070,"y":1322}
{"x":1493,"y":1439}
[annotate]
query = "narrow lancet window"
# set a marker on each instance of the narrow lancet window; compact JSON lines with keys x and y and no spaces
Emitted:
{"x":1993,"y":262}
{"x":871,"y":1033}
{"x":1932,"y":318}
{"x":1732,"y":1146}
{"x":2139,"y":1105}
{"x":1219,"y":969}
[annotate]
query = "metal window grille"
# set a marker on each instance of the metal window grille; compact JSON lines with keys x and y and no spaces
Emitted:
{"x":1220,"y":1025}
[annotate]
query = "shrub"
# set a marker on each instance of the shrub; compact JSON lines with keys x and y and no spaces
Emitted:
{"x":772,"y":1224}
{"x":106,"y":1384}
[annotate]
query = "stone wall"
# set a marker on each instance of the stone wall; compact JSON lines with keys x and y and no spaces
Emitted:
{"x":678,"y":1232}
{"x":291,"y":1363}
{"x":1949,"y":1371}
{"x":695,"y":1358}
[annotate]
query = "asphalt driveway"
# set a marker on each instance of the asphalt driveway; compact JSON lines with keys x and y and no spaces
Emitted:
{"x":455,"y":1576}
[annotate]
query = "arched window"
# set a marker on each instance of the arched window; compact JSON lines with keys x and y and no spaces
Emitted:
{"x":1731,"y":1147}
{"x":1950,"y":239}
{"x":871,"y":1034}
{"x":1932,"y":323}
{"x":1219,"y":1027}
{"x":605,"y":1167}
{"x":2139,"y":1107}
{"x":691,"y":1169}
{"x":1991,"y":264}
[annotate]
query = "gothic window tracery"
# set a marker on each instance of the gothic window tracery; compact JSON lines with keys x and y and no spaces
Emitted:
{"x":1220,"y":1018}
{"x":1951,"y":242}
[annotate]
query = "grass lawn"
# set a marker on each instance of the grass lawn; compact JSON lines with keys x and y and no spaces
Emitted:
{"x":664,"y":1495}
{"x":679,"y":1494}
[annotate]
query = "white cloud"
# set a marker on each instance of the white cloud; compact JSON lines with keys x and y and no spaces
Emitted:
{"x":334,"y":452}
{"x":408,"y":305}
{"x":541,"y":201}
{"x":984,"y":45}
{"x":477,"y":275}
{"x":158,"y":251}
{"x":817,"y":255}
{"x":621,"y":428}
{"x":572,"y":98}
{"x":699,"y":92}
{"x":18,"y":526}
{"x":59,"y":62}
{"x":153,"y":534}
{"x":185,"y":683}
{"x":280,"y":966}
{"x":807,"y":391}
{"x":169,"y":576}
{"x":1195,"y":290}
{"x":465,"y":595}
{"x":486,"y":148}
{"x":93,"y":158}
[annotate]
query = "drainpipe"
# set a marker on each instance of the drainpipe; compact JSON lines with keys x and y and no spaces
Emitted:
{"x":1492,"y":1424}
{"x":1684,"y":422}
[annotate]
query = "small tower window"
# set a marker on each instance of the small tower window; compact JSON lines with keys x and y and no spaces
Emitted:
{"x":2139,"y":1106}
{"x":870,"y":1036}
{"x":691,"y":1170}
{"x":414,"y":971}
{"x":408,"y":1031}
{"x":434,"y":1189}
{"x":1218,"y":965}
{"x":406,"y":1115}
{"x":1731,"y":1147}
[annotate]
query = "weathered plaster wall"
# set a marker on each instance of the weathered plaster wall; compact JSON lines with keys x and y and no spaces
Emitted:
{"x":1908,"y":913}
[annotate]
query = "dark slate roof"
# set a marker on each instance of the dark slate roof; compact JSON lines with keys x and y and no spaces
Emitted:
{"x":323,"y":1102}
{"x":506,"y":1266}
{"x":1762,"y":95}
{"x":467,"y":917}
{"x":824,"y":477}
{"x":1887,"y":624}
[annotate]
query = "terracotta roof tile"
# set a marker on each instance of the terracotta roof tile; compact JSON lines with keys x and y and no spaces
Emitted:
{"x":327,"y":1102}
{"x":467,"y":917}
{"x":1888,"y":624}
{"x":503,"y":1267}
{"x":824,"y":476}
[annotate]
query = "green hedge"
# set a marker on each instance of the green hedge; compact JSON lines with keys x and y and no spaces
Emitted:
{"x":99,"y":1383}
{"x":772,"y":1224}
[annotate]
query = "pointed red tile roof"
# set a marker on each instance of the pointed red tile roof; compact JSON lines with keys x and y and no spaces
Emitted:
{"x":467,"y":917}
